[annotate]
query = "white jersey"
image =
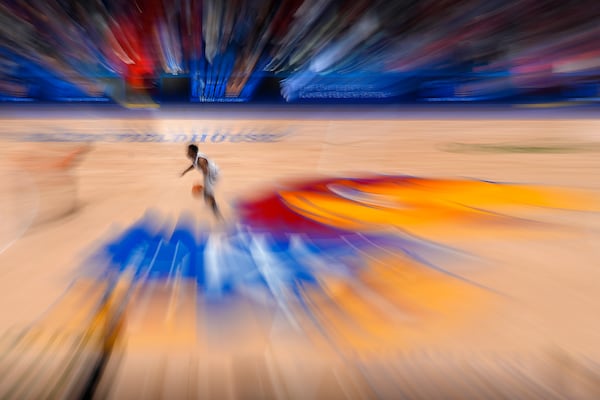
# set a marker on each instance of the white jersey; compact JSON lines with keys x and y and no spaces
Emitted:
{"x":210,"y":178}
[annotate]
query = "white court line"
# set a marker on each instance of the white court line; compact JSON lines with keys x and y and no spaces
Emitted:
{"x":31,"y":195}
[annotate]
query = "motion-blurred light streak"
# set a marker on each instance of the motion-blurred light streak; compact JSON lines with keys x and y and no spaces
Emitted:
{"x":419,"y":50}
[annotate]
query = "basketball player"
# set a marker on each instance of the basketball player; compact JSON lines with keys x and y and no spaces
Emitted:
{"x":210,"y":171}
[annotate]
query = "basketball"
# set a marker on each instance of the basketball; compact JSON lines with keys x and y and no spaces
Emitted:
{"x":197,"y":190}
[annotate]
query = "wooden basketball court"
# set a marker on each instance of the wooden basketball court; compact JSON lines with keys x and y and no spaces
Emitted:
{"x":520,"y":297}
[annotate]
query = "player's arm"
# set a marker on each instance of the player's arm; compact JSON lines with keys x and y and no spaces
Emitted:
{"x":203,"y":164}
{"x":191,"y":167}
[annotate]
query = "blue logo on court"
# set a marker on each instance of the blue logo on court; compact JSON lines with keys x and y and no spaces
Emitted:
{"x":239,"y":261}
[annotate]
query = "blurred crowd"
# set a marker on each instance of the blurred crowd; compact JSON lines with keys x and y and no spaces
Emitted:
{"x":463,"y":49}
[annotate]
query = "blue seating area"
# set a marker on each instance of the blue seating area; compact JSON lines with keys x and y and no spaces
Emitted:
{"x":295,"y":51}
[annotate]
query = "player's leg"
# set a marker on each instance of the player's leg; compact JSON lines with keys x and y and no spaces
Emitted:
{"x":209,"y":198}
